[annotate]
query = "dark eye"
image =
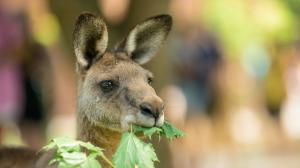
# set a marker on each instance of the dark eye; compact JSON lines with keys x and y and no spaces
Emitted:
{"x":108,"y":85}
{"x":150,"y":80}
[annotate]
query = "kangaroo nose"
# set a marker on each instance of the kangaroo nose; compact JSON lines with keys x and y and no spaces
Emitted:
{"x":148,"y":110}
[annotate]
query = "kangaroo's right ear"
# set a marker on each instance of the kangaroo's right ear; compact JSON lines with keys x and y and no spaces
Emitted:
{"x":90,"y":39}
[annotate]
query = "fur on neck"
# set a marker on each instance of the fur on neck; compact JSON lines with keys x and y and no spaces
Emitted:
{"x":102,"y":137}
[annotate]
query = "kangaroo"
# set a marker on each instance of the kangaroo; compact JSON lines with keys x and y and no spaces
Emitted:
{"x":114,"y":91}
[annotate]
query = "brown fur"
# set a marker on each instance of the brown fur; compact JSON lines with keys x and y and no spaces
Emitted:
{"x":99,"y":136}
{"x":102,"y":115}
{"x":11,"y":157}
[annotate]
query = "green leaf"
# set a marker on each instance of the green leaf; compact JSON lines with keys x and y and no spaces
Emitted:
{"x":63,"y":164}
{"x":147,"y":131}
{"x":63,"y":144}
{"x":92,"y":148}
{"x":132,"y":151}
{"x":67,"y":144}
{"x":51,"y":145}
{"x":68,"y":153}
{"x":170,"y":131}
{"x":152,"y":131}
{"x":91,"y":162}
{"x":75,"y":158}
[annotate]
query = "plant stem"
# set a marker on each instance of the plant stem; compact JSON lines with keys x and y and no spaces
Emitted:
{"x":107,"y":160}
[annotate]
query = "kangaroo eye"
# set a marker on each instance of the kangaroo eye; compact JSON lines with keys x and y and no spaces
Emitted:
{"x":150,"y":80}
{"x":108,"y":85}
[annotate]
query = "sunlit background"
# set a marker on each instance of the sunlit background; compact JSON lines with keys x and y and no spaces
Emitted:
{"x":229,"y":74}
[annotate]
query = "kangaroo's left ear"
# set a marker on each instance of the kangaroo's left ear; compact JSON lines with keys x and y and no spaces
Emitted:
{"x":144,"y":40}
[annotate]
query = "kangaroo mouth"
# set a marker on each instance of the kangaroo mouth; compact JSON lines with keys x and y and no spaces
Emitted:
{"x":141,"y":120}
{"x":160,"y":120}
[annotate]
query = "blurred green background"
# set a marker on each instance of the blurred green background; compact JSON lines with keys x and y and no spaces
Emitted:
{"x":229,"y":74}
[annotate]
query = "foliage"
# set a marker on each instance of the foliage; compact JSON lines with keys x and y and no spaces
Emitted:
{"x":130,"y":153}
{"x":69,"y":154}
{"x":134,"y":152}
{"x":240,"y":24}
{"x":168,"y":130}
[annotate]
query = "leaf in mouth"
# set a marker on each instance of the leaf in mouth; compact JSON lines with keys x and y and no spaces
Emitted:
{"x":168,"y":130}
{"x":134,"y":152}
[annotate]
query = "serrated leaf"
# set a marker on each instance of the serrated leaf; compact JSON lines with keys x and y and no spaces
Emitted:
{"x":92,"y":148}
{"x":133,"y":152}
{"x":67,"y":144}
{"x":62,"y":144}
{"x":75,"y":158}
{"x":91,"y":162}
{"x":63,"y":164}
{"x":93,"y":155}
{"x":147,"y":131}
{"x":68,"y":154}
{"x":152,"y":131}
{"x":170,"y":131}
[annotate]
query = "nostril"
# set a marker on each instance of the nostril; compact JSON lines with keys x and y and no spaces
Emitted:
{"x":147,"y":110}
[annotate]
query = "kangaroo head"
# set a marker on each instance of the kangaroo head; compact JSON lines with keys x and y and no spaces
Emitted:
{"x":114,"y":90}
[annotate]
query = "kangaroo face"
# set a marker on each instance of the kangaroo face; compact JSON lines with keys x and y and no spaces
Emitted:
{"x":114,"y":90}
